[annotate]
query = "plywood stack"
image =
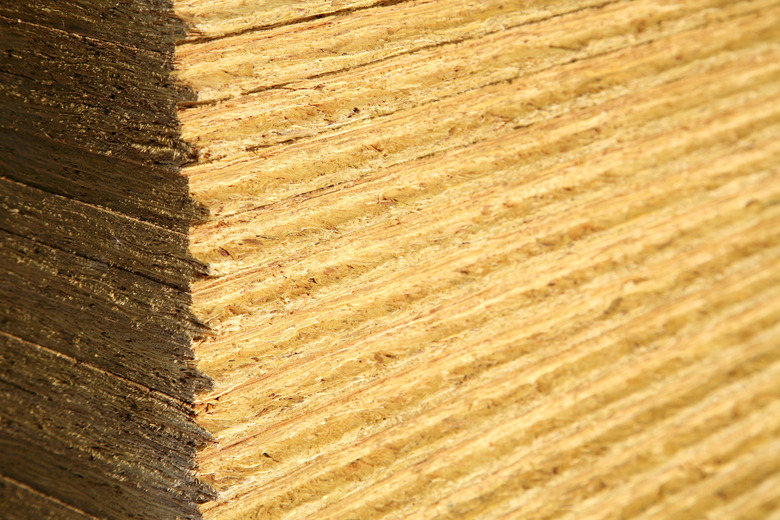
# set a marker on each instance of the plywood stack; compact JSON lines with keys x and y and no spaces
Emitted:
{"x":407,"y":259}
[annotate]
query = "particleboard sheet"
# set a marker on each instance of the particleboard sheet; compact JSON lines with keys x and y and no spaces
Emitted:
{"x":409,"y":259}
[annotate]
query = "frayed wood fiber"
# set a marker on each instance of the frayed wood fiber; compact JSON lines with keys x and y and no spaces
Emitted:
{"x":407,"y":259}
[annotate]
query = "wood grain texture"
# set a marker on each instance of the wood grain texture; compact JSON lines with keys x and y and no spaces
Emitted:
{"x":97,"y":373}
{"x":408,"y":259}
{"x":486,"y":277}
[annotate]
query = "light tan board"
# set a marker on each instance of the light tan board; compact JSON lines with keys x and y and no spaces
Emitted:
{"x":487,"y":260}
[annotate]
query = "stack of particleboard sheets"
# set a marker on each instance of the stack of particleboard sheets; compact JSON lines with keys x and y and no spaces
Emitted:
{"x":406,"y":259}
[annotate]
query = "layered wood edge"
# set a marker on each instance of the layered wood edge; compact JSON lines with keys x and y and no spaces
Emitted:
{"x":390,"y":259}
{"x":97,"y":372}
